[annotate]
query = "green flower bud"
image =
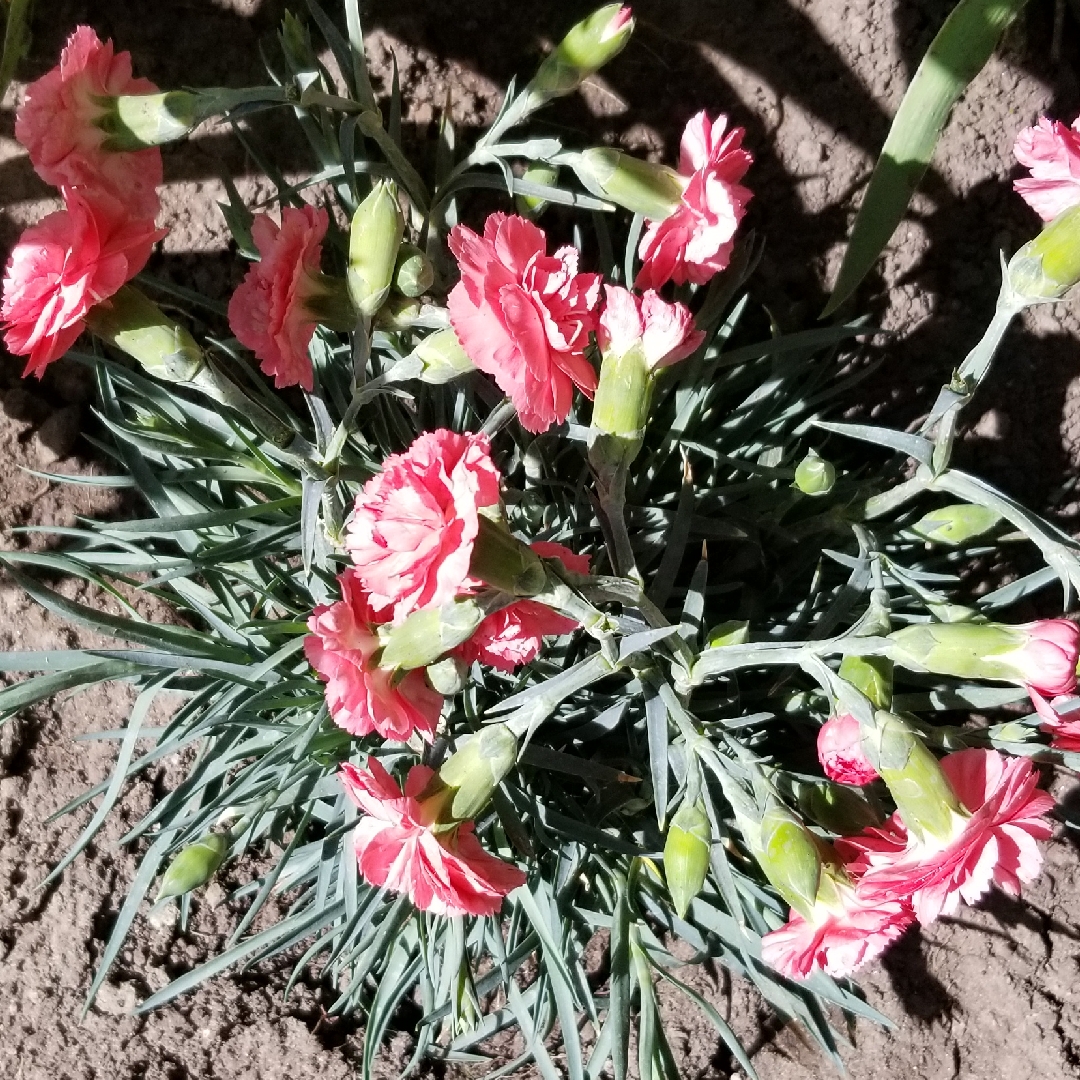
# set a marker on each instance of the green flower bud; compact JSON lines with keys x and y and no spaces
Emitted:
{"x":539,"y":172}
{"x":195,"y":865}
{"x":137,"y":326}
{"x":686,"y":854}
{"x":642,"y":187}
{"x":732,"y":632}
{"x":398,"y":313}
{"x":839,"y":808}
{"x":477,"y":769}
{"x":872,"y":676}
{"x":501,"y":560}
{"x":374,"y":239}
{"x":922,"y":793}
{"x":586,"y":48}
{"x":956,"y":524}
{"x":790,"y":856}
{"x":413,"y":272}
{"x":814,"y":475}
{"x":967,"y":650}
{"x":1048,"y":266}
{"x":428,"y":634}
{"x":443,"y":357}
{"x":449,"y":676}
{"x":137,"y":121}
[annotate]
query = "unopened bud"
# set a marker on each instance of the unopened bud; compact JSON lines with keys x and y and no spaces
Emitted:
{"x":872,"y":676}
{"x":839,"y":808}
{"x":398,"y":313}
{"x":137,"y":326}
{"x":790,"y":856}
{"x":449,"y":676}
{"x":732,"y":632}
{"x":539,"y":172}
{"x":1048,"y":266}
{"x":195,"y":865}
{"x":413,"y":272}
{"x":477,"y":769}
{"x":686,"y":855}
{"x":967,"y":650}
{"x":374,"y":239}
{"x":501,"y":560}
{"x":137,"y":121}
{"x":586,"y":48}
{"x":642,"y":187}
{"x":956,"y":524}
{"x":428,"y":634}
{"x":814,"y":475}
{"x":922,"y":793}
{"x":443,"y":357}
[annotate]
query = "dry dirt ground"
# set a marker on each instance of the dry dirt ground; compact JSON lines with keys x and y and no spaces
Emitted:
{"x":990,"y":995}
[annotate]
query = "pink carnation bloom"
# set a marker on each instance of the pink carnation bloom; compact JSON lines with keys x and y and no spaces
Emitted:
{"x":267,"y":312}
{"x":995,"y":845}
{"x":524,"y":316}
{"x":839,"y":749}
{"x":696,"y":241}
{"x":1064,"y":733}
{"x":514,"y":635}
{"x":414,"y":524}
{"x":445,"y":872}
{"x":1051,"y":150}
{"x":361,"y":696}
{"x":665,"y":331}
{"x":64,"y":265}
{"x":841,"y":938}
{"x":56,"y":124}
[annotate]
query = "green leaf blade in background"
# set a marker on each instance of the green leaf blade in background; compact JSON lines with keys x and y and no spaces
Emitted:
{"x":956,"y":55}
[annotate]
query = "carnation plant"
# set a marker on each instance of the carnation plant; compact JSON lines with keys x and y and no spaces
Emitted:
{"x":532,"y":603}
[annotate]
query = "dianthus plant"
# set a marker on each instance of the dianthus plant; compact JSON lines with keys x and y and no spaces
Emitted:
{"x":529,"y":606}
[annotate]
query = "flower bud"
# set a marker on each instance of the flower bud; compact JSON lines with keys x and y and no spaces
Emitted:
{"x":134,"y":324}
{"x":427,"y":634}
{"x":956,"y":524}
{"x":686,"y":854}
{"x":621,"y":405}
{"x":539,"y":172}
{"x":448,"y":676}
{"x":839,"y":749}
{"x":443,"y":357}
{"x":1041,"y":654}
{"x":502,"y":561}
{"x":790,"y":856}
{"x":872,"y":676}
{"x":840,"y":809}
{"x":642,"y":187}
{"x":732,"y":632}
{"x":477,"y":769}
{"x":374,"y":239}
{"x":586,"y":48}
{"x":137,"y":121}
{"x":922,"y":793}
{"x":413,"y":272}
{"x":814,"y":475}
{"x":1048,"y":266}
{"x":195,"y":865}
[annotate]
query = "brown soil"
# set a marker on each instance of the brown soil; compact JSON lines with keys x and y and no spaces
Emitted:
{"x":984,"y":996}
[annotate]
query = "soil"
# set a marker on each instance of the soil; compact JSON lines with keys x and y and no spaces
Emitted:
{"x":987,"y":995}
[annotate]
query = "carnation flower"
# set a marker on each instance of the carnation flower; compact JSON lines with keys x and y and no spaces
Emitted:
{"x":664,"y":331}
{"x":64,"y":265}
{"x":267,"y":312}
{"x":696,"y":241}
{"x":995,"y":845}
{"x":361,"y":696}
{"x":513,"y":635}
{"x":1051,"y":150}
{"x":414,"y":524}
{"x":1064,"y":733}
{"x":524,"y":316}
{"x":446,"y":871}
{"x":839,"y":749}
{"x":56,"y":124}
{"x":842,"y":937}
